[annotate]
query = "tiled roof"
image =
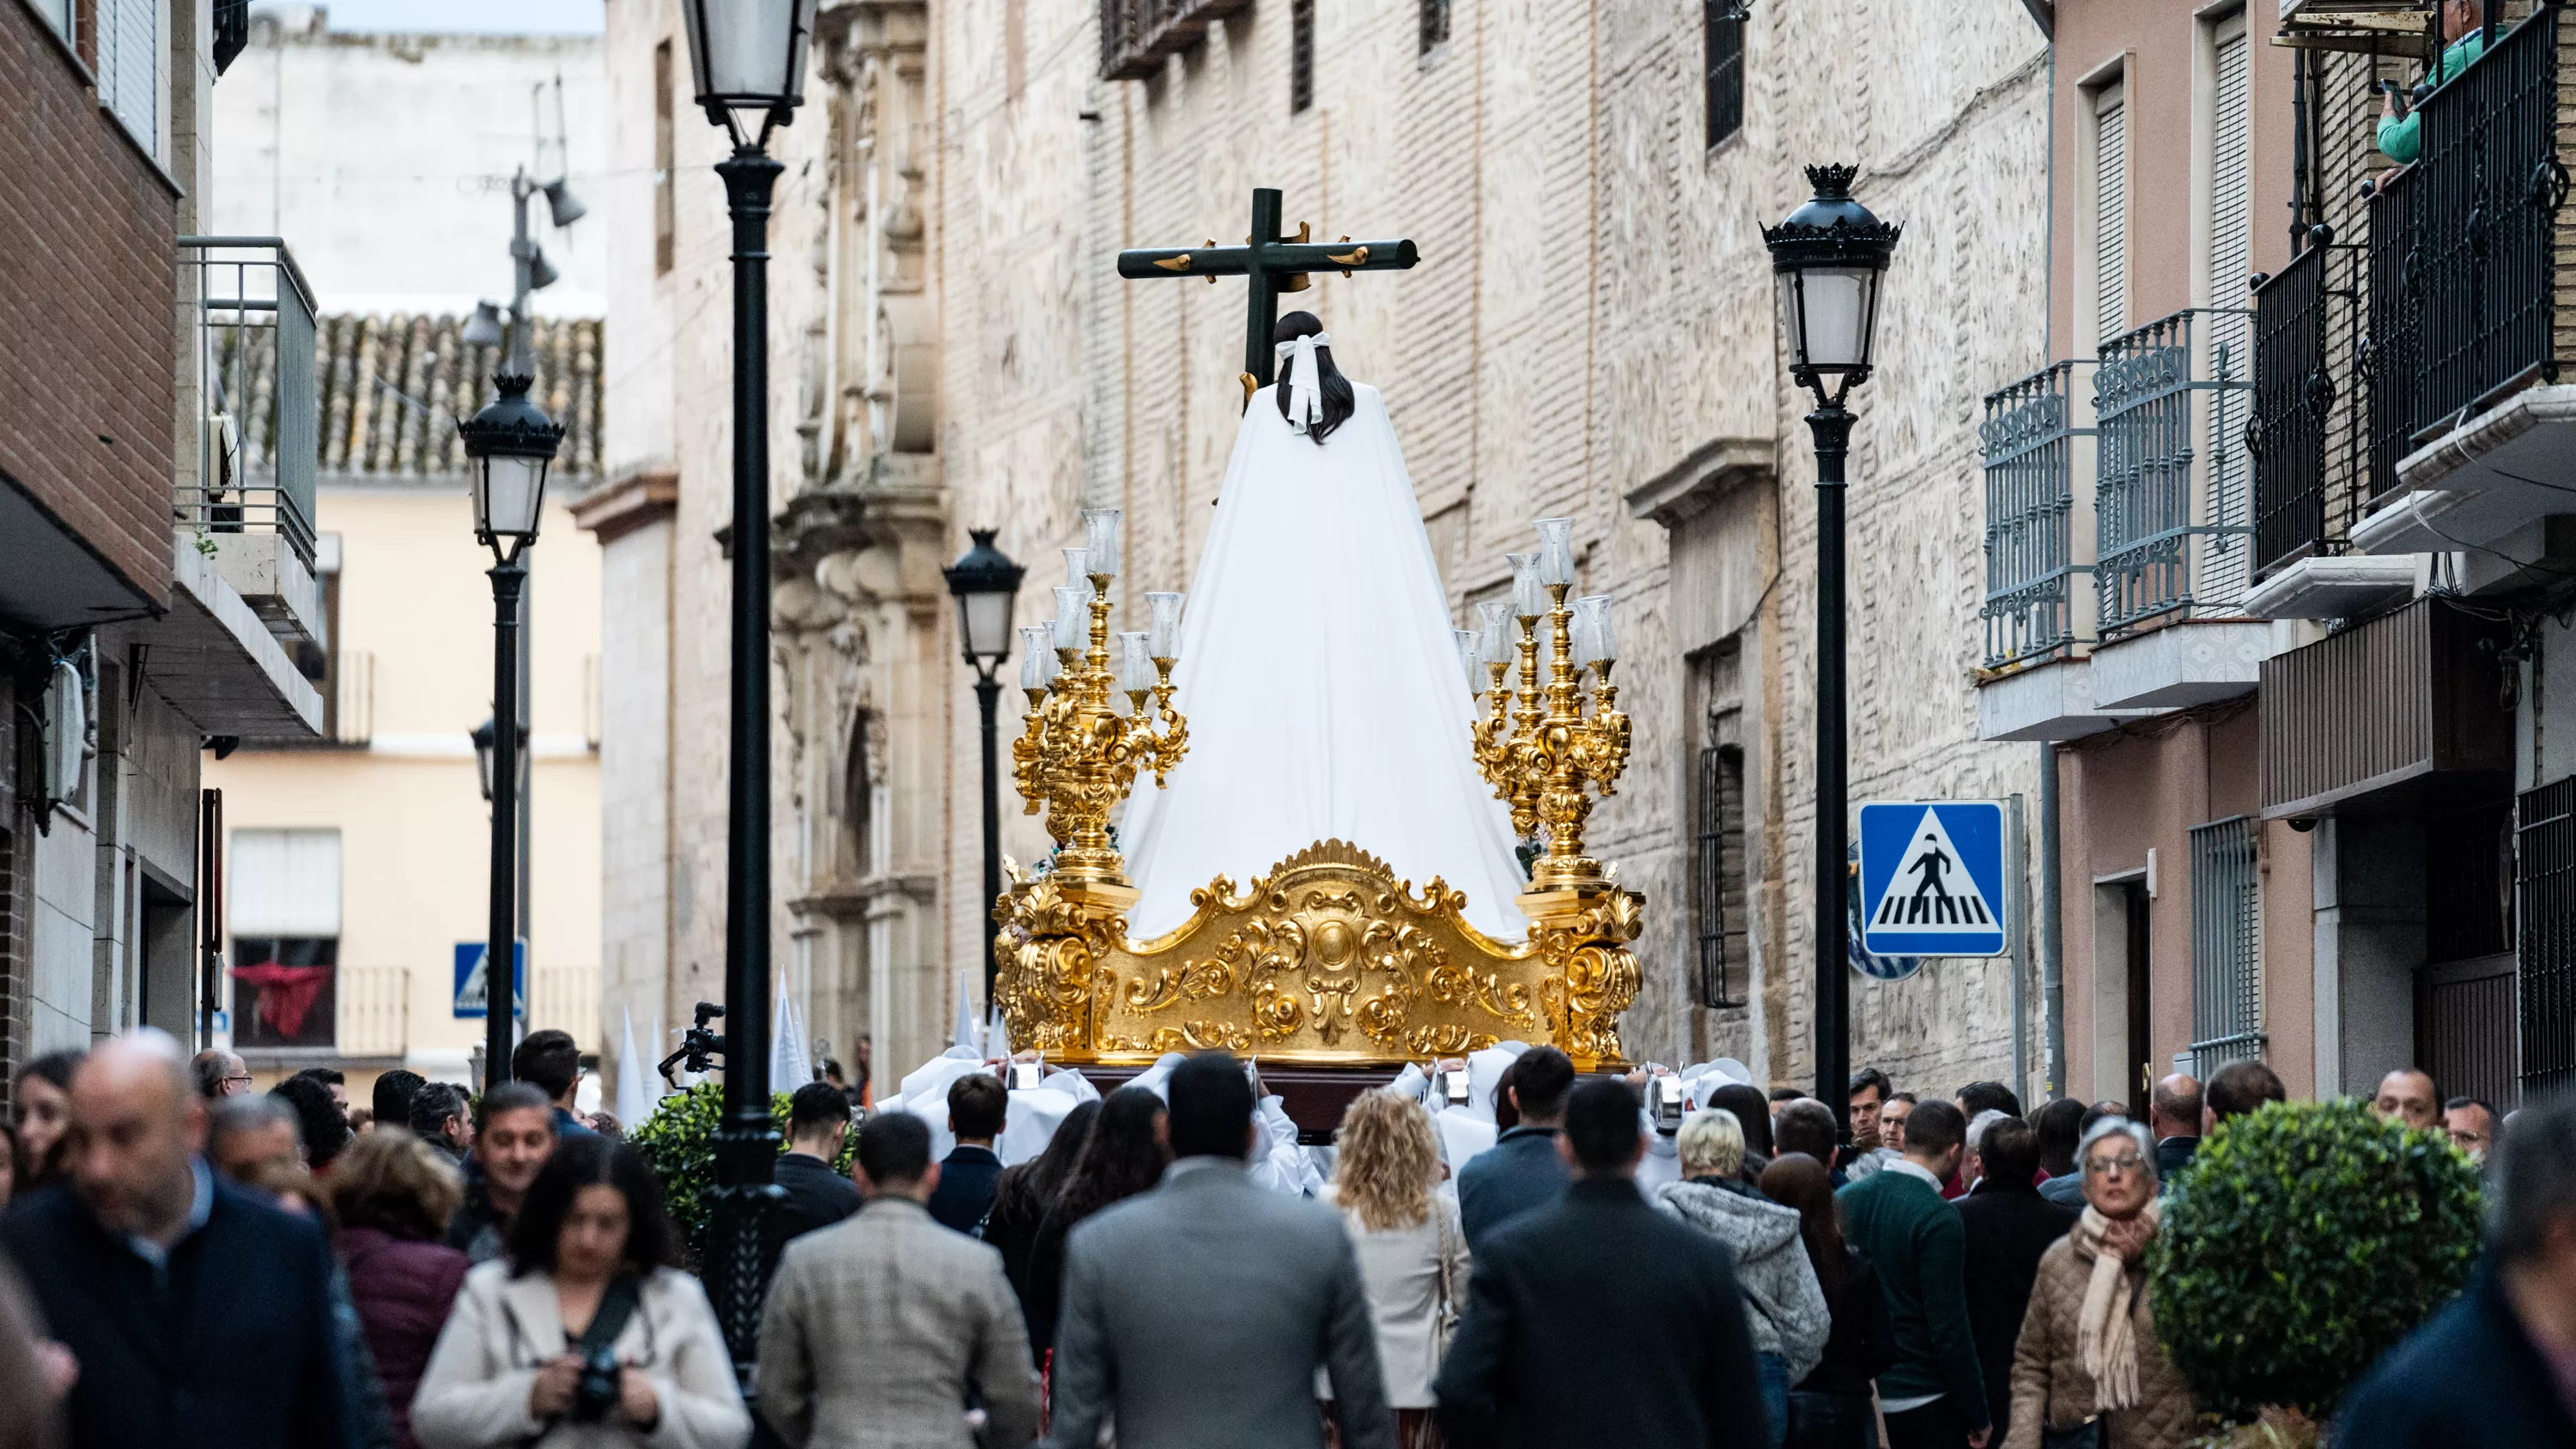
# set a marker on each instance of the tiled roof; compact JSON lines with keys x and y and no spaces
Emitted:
{"x":393,"y":386}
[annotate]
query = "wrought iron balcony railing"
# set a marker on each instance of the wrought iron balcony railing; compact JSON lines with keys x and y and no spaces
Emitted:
{"x":2030,"y":440}
{"x":2171,"y":491}
{"x":258,"y":432}
{"x":2464,"y":248}
{"x":1135,"y":35}
{"x":2307,"y":434}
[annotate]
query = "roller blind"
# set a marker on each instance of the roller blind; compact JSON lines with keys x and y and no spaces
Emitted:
{"x":129,"y":66}
{"x":2110,"y":215}
{"x":286,"y":883}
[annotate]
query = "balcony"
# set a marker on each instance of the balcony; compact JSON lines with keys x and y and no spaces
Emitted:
{"x":2173,"y":537}
{"x":1136,"y":35}
{"x":2408,"y":706}
{"x":2473,"y":444}
{"x":246,"y":630}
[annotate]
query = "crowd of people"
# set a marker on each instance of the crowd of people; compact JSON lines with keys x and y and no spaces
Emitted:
{"x":187,"y":1260}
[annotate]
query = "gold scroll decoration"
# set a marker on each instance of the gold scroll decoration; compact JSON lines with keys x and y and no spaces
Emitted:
{"x":1326,"y":959}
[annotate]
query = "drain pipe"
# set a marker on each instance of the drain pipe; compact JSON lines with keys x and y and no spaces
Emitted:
{"x":2052,"y":933}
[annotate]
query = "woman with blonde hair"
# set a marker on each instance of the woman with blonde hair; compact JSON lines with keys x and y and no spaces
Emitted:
{"x":1413,"y":1255}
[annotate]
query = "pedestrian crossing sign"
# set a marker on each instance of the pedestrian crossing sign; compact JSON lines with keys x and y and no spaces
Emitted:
{"x":473,"y":987}
{"x":1932,"y":877}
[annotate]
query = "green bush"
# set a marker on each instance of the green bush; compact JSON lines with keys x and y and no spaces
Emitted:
{"x":2302,"y":1242}
{"x":678,"y":1143}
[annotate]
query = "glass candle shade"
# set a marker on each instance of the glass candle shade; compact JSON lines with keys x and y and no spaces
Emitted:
{"x":1165,"y":639}
{"x":1556,"y":552}
{"x":1100,"y":539}
{"x":1135,"y":662}
{"x":1471,"y":657}
{"x":1077,"y":570}
{"x":1038,"y":663}
{"x":1529,"y":598}
{"x":1496,"y":616}
{"x":1073,"y":612}
{"x":1605,"y":639}
{"x":1591,"y":615}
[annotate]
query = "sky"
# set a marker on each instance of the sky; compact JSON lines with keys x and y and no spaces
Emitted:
{"x":469,"y":17}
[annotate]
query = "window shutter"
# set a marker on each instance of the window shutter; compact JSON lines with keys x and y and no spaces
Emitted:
{"x":129,"y":66}
{"x":2110,"y":218}
{"x":286,"y":883}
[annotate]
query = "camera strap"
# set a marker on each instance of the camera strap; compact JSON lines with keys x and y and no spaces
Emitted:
{"x":617,"y":1303}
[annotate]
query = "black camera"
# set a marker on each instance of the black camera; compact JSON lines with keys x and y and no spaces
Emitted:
{"x":594,"y":1393}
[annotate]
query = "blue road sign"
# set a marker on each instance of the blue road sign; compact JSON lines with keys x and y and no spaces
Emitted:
{"x":1932,"y":877}
{"x":472,"y":994}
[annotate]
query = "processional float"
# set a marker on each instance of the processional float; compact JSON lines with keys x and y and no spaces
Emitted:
{"x":1327,"y":959}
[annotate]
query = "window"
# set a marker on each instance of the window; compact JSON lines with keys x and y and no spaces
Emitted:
{"x":128,"y":44}
{"x":2226,"y":945}
{"x":1717,"y":877}
{"x":665,"y":209}
{"x":1301,"y":57}
{"x":58,"y":14}
{"x":285,"y":920}
{"x":2110,"y":214}
{"x":1435,"y":26}
{"x":1725,"y":30}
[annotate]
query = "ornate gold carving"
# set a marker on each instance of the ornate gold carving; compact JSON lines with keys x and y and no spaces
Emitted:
{"x":1326,"y":958}
{"x":1078,"y":755}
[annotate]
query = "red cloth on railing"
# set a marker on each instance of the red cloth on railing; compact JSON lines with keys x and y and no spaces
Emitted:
{"x":286,"y":993}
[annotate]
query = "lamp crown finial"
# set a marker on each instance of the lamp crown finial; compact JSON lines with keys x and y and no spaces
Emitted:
{"x":1832,"y":182}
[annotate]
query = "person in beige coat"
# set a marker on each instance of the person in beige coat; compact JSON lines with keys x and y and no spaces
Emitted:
{"x":591,"y":1239}
{"x":2088,"y":1352}
{"x":1413,"y":1254}
{"x":880,"y":1327}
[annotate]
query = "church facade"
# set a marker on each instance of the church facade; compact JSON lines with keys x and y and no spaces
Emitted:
{"x":1590,"y":333}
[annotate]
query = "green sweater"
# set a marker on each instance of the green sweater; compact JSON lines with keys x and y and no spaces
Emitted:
{"x":2402,"y":139}
{"x":1919,"y":1246}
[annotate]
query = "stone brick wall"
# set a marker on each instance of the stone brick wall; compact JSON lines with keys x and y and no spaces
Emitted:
{"x":87,"y":278}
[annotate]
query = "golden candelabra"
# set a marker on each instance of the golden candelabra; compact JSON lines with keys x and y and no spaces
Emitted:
{"x":1078,"y":755}
{"x":1542,"y":749}
{"x":1328,"y":958}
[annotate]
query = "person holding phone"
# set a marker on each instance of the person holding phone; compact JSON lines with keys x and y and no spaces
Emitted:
{"x":2401,"y":136}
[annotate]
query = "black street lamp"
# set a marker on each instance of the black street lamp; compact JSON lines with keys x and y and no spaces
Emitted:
{"x":483,"y":757}
{"x":512,"y":443}
{"x":1830,"y":256}
{"x":748,"y":60}
{"x":987,"y":586}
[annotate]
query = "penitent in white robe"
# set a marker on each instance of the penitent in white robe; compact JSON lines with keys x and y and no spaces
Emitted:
{"x":1322,"y":685}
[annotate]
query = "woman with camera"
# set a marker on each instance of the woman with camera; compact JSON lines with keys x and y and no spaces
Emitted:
{"x":586,"y":1336}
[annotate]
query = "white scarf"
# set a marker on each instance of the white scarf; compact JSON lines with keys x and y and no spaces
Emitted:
{"x":1305,"y":379}
{"x":2104,"y":1332}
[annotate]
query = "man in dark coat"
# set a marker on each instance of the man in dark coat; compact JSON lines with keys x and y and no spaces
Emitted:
{"x":2478,"y":1374}
{"x":978,"y":1108}
{"x":1600,"y":1320}
{"x":2008,"y":1225}
{"x":818,"y":1119}
{"x":1522,"y":1171}
{"x":2174,"y":1108}
{"x":198,"y":1315}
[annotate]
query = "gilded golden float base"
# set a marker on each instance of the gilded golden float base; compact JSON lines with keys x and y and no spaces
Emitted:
{"x":1328,"y":959}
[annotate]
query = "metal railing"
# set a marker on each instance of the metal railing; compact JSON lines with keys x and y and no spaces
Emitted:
{"x":1135,"y":35}
{"x":2293,"y":395}
{"x":2545,"y":935}
{"x":2170,"y":504}
{"x":2464,"y":249}
{"x":258,"y":428}
{"x":2226,"y":945}
{"x":375,"y":1011}
{"x":2030,"y":440}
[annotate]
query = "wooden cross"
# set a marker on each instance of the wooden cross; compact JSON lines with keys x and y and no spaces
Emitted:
{"x":1273,"y":264}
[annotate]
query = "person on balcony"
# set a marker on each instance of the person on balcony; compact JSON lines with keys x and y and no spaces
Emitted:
{"x":2401,"y":138}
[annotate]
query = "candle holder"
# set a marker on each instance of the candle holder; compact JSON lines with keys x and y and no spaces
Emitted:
{"x":1078,"y":754}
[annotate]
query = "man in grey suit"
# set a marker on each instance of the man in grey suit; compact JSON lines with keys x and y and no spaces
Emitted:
{"x":1196,"y":1314}
{"x":879,"y":1327}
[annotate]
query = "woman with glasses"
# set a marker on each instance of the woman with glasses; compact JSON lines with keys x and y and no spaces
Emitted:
{"x":2088,"y":1372}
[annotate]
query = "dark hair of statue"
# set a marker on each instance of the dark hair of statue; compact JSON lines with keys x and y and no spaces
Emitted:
{"x":1338,"y":401}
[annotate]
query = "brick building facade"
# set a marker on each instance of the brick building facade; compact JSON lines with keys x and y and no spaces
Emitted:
{"x":1590,"y":333}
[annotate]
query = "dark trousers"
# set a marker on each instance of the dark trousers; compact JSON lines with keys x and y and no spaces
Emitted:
{"x":1934,"y":1426}
{"x":1832,"y":1421}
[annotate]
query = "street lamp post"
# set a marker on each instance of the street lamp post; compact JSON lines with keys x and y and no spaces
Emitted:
{"x":747,"y":58}
{"x":987,"y":585}
{"x":1830,"y":255}
{"x":512,"y":443}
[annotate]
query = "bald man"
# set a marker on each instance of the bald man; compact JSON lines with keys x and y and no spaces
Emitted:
{"x":2174,"y":1112}
{"x":198,"y":1315}
{"x":2407,"y":1096}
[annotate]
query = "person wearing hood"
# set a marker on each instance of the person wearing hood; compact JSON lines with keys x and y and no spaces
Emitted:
{"x":1784,"y":1304}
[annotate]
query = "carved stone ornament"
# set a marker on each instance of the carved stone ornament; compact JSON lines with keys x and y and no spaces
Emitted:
{"x":1327,"y":959}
